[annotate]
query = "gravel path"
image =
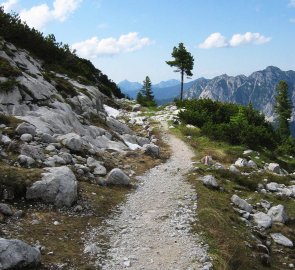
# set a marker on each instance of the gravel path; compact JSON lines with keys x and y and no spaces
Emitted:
{"x":152,"y":229}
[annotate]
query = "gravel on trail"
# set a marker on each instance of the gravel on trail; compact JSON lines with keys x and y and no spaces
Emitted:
{"x":152,"y":228}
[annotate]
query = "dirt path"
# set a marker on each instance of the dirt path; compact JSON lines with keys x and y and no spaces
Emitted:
{"x":152,"y":230}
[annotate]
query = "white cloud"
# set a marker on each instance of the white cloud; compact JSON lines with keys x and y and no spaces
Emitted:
{"x":103,"y":26}
{"x":8,"y":5}
{"x":94,"y":47}
{"x":292,"y":20}
{"x":216,"y":40}
{"x":248,"y":38}
{"x":292,"y":3}
{"x":39,"y":16}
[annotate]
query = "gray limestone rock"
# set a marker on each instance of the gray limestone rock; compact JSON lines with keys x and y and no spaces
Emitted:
{"x":241,"y":203}
{"x":72,"y":141}
{"x":232,"y":168}
{"x":35,"y":152}
{"x":25,"y":161}
{"x":262,"y":220}
{"x":152,"y":149}
{"x":272,"y":186}
{"x":118,"y":126}
{"x":5,"y":139}
{"x":209,"y":181}
{"x":58,"y":186}
{"x":241,"y":162}
{"x":47,"y":138}
{"x":26,"y":137}
{"x":15,"y":254}
{"x":274,"y":167}
{"x":117,"y":177}
{"x":281,"y":239}
{"x":24,"y":128}
{"x":278,"y":213}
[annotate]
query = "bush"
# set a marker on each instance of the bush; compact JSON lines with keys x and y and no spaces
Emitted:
{"x":232,"y":123}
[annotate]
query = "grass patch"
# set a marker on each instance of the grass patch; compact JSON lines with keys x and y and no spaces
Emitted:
{"x":8,"y":85}
{"x":85,"y":92}
{"x":7,"y":70}
{"x":17,"y":179}
{"x":223,"y":230}
{"x":65,"y":88}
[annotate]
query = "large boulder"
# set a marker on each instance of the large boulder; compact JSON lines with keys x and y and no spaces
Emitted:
{"x":278,"y":213}
{"x":117,"y":126}
{"x":241,"y":203}
{"x":58,"y":186}
{"x":152,"y":150}
{"x":232,"y":168}
{"x":72,"y":141}
{"x":262,"y":220}
{"x":24,"y":128}
{"x":209,"y":181}
{"x":117,"y":177}
{"x":15,"y":254}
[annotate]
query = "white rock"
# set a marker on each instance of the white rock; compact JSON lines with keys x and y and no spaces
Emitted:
{"x":26,"y":137}
{"x":241,"y":203}
{"x":26,"y":128}
{"x":247,"y":152}
{"x":117,"y":177}
{"x":209,"y":181}
{"x":262,"y":220}
{"x":232,"y":168}
{"x":112,"y":112}
{"x":252,"y":164}
{"x":72,"y":141}
{"x":5,"y":140}
{"x":241,"y":162}
{"x":58,"y":185}
{"x":15,"y":254}
{"x":25,"y":160}
{"x":272,"y":186}
{"x":274,"y":167}
{"x":281,"y":239}
{"x":278,"y":213}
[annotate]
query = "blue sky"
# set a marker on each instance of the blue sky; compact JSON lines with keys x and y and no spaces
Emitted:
{"x":130,"y":39}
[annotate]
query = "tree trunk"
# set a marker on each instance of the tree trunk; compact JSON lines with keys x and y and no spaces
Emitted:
{"x":181,"y":85}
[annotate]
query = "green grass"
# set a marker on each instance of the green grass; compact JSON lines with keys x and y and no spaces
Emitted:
{"x":6,"y":70}
{"x":220,"y":225}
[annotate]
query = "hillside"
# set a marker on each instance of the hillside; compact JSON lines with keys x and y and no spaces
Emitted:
{"x":67,"y":156}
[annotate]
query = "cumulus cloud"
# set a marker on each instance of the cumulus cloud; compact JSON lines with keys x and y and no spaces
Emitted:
{"x":248,"y":38}
{"x":39,"y":16}
{"x":8,"y":5}
{"x":94,"y":47}
{"x":216,"y":40}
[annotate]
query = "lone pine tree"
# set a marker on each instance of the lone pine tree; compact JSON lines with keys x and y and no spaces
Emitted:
{"x":183,"y":61}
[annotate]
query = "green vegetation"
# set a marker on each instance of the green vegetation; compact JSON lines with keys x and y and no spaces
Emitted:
{"x":145,"y":96}
{"x":283,"y":109}
{"x":8,"y":85}
{"x":183,"y":61}
{"x":231,"y":123}
{"x":6,"y":70}
{"x":231,"y":242}
{"x":55,"y":55}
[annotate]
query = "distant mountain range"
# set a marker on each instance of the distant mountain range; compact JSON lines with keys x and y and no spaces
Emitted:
{"x":164,"y":92}
{"x":259,"y":88}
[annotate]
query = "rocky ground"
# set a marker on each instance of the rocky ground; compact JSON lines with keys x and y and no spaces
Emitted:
{"x":153,"y":228}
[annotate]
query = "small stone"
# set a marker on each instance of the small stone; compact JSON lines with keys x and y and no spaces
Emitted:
{"x":26,"y":137}
{"x":56,"y":223}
